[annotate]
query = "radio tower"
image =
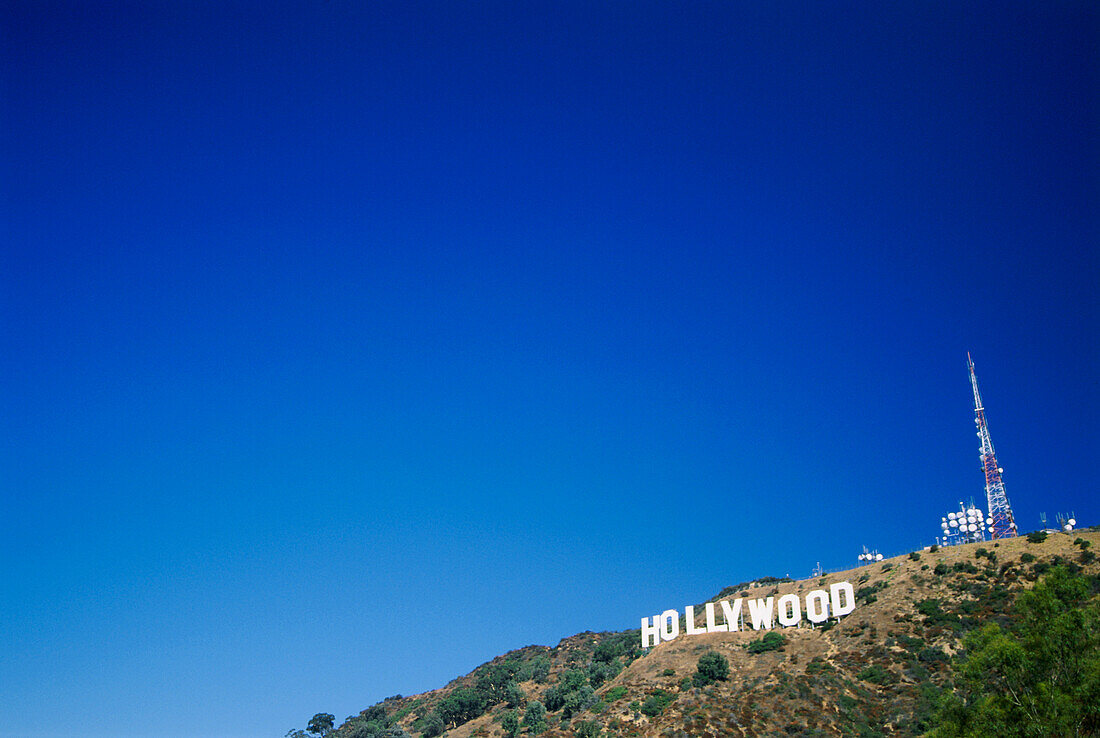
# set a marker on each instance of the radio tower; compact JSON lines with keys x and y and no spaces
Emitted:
{"x":1004,"y":526}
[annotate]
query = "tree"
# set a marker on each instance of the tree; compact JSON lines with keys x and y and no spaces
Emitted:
{"x":514,"y":695}
{"x":1042,"y":678}
{"x":534,"y":718}
{"x":462,"y":705}
{"x":712,"y":667}
{"x":321,"y":723}
{"x":510,"y":723}
{"x":588,"y":729}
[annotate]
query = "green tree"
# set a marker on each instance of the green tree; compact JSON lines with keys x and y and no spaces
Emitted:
{"x":321,"y":723}
{"x":712,"y":667}
{"x":1042,"y":678}
{"x":510,"y":723}
{"x":514,"y":695}
{"x":461,"y":706}
{"x":534,"y":718}
{"x":588,"y":729}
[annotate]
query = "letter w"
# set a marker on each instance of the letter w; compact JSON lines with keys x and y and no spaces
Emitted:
{"x":761,"y":612}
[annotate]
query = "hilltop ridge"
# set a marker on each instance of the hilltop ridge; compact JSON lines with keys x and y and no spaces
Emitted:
{"x":878,"y":671}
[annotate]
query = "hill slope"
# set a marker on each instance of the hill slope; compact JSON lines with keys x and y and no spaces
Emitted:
{"x":875,"y":672}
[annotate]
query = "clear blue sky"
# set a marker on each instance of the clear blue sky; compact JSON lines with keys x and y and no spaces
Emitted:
{"x":347,"y":345}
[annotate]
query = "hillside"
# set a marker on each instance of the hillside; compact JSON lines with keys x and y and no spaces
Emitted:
{"x":876,"y":672}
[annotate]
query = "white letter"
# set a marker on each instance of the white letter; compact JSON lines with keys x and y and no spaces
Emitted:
{"x":733,"y":614}
{"x":650,"y":630}
{"x":761,"y":612}
{"x":817,"y":606}
{"x":670,"y":625}
{"x":795,"y":606}
{"x":712,"y":627}
{"x":850,"y":598}
{"x":689,"y":622}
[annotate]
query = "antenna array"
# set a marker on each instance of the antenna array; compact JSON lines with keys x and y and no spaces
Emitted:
{"x":1003,"y":524}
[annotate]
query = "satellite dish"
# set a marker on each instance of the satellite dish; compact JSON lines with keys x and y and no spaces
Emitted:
{"x":1068,"y":528}
{"x":954,"y":523}
{"x":973,"y":528}
{"x":1073,"y":521}
{"x":951,"y":516}
{"x":878,"y":558}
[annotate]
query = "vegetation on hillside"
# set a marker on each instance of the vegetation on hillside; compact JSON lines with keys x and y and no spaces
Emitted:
{"x":996,"y":639}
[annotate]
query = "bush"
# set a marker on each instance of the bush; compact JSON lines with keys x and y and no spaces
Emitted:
{"x":933,"y":548}
{"x":876,"y":675}
{"x":712,"y":667}
{"x":615,"y":693}
{"x":534,"y":717}
{"x":656,"y":702}
{"x":514,"y":695}
{"x":1036,"y":536}
{"x":931,"y":655}
{"x":461,"y":706}
{"x":539,"y":669}
{"x":769,"y":642}
{"x":587,"y":729}
{"x":510,"y":723}
{"x":601,"y":672}
{"x":668,"y":672}
{"x":432,"y":726}
{"x":914,"y":556}
{"x":941,"y":569}
{"x":1026,"y":558}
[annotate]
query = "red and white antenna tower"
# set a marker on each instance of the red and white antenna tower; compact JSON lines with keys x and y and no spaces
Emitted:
{"x":1000,"y":512}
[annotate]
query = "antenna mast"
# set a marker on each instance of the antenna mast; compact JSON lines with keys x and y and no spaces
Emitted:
{"x":1000,"y":512}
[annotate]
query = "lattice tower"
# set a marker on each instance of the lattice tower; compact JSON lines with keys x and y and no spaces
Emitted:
{"x":1004,"y":525}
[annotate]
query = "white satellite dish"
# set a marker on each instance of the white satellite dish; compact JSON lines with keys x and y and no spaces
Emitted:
{"x":878,"y":558}
{"x":954,"y":523}
{"x":1073,"y":521}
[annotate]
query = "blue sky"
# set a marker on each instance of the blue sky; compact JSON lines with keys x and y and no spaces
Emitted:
{"x":346,"y":346}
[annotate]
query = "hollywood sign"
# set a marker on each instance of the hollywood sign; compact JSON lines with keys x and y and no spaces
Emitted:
{"x":763,"y":613}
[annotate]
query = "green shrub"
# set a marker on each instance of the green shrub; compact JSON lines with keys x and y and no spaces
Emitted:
{"x":1026,"y":558}
{"x":668,"y":672}
{"x":941,"y":569}
{"x":587,"y":729}
{"x":656,"y":702}
{"x":1087,"y":557}
{"x":510,"y":723}
{"x":914,"y":556}
{"x":600,"y":672}
{"x":712,"y":667}
{"x":876,"y":675}
{"x":933,"y":548}
{"x":615,"y":693}
{"x":769,"y":642}
{"x":818,"y":665}
{"x":1037,"y":536}
{"x":534,"y":717}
